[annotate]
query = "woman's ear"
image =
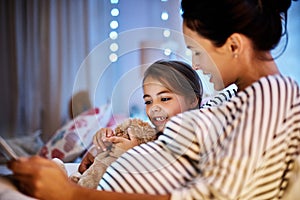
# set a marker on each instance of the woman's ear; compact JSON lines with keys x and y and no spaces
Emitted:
{"x":235,"y":44}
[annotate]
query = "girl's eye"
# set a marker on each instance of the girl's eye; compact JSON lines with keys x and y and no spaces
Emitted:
{"x":165,"y":99}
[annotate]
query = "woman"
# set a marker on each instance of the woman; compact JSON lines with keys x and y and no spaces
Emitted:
{"x":242,"y":149}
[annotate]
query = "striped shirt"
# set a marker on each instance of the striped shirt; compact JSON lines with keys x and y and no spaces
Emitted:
{"x":242,"y":149}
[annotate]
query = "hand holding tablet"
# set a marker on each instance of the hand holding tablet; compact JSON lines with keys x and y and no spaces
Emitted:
{"x":7,"y":150}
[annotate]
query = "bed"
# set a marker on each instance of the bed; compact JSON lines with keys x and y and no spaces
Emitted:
{"x":69,"y":147}
{"x":68,"y":143}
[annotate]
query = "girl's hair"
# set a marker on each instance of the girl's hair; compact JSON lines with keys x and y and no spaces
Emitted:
{"x":259,"y":20}
{"x":178,"y":77}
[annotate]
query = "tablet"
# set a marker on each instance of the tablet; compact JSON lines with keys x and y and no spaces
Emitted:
{"x":7,"y":150}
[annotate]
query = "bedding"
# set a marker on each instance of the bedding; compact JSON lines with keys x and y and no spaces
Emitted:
{"x":71,"y":140}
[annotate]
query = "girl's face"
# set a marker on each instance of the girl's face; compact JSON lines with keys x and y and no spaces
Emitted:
{"x":161,"y":103}
{"x":213,"y":61}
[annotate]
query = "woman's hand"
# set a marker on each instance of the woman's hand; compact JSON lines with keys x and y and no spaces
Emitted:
{"x":41,"y":178}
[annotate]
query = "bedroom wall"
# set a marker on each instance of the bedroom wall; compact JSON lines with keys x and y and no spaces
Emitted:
{"x":148,"y":14}
{"x":139,"y":24}
{"x":69,"y":39}
{"x":289,"y":62}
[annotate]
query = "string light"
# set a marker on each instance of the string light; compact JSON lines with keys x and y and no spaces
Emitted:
{"x":167,"y":51}
{"x":113,"y":35}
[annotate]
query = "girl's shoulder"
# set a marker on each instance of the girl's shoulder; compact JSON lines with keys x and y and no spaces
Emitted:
{"x":221,"y":97}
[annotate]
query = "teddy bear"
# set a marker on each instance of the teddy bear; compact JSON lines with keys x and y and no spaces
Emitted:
{"x":142,"y":131}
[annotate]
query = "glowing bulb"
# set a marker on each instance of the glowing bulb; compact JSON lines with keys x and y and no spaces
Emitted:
{"x":114,"y":24}
{"x":114,"y":1}
{"x":166,"y":33}
{"x":113,"y":35}
{"x":164,"y":15}
{"x":167,"y":51}
{"x":113,"y":57}
{"x":114,"y":47}
{"x":114,"y":12}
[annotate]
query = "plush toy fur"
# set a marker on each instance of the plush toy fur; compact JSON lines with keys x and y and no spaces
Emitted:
{"x":142,"y":131}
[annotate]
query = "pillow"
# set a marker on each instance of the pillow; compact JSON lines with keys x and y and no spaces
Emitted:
{"x":71,"y":140}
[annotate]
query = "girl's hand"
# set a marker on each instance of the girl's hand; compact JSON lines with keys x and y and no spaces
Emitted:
{"x":124,"y":143}
{"x":86,"y":162}
{"x":98,"y":146}
{"x":100,"y":137}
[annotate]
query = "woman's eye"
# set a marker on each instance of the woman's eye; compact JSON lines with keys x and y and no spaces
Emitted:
{"x":165,"y":99}
{"x":197,"y":53}
{"x":147,"y":102}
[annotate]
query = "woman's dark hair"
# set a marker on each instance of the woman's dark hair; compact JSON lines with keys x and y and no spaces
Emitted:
{"x":259,"y":20}
{"x":178,"y":77}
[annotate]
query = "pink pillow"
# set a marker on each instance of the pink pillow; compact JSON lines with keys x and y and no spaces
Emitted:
{"x":71,"y":140}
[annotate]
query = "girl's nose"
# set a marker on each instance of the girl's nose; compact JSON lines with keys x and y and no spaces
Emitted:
{"x":155,"y":108}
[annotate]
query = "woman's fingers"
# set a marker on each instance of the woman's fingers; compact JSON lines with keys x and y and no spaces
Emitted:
{"x":27,"y":165}
{"x":34,"y":175}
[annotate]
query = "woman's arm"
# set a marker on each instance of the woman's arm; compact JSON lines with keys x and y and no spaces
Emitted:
{"x":43,"y":179}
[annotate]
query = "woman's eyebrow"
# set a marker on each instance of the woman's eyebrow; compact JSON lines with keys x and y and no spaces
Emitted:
{"x":146,"y":95}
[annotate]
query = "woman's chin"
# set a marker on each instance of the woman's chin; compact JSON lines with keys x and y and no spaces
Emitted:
{"x":218,"y":86}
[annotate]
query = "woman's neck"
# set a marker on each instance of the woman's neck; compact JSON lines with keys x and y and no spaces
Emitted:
{"x":257,"y":69}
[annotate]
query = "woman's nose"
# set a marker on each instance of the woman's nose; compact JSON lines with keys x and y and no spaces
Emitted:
{"x":196,"y":66}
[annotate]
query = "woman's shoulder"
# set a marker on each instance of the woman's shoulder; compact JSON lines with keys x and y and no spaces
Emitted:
{"x":273,"y":85}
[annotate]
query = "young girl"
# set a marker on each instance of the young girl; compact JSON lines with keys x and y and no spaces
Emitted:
{"x":169,"y":87}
